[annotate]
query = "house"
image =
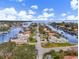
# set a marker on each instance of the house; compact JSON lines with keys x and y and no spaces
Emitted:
{"x":22,"y":38}
{"x":74,"y":48}
{"x":18,"y":41}
{"x":51,"y":33}
{"x":46,"y":30}
{"x":76,"y":30}
{"x":62,"y":26}
{"x":70,"y":57}
{"x":52,"y":39}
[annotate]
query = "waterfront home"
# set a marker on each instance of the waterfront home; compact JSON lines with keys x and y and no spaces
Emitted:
{"x":76,"y":30}
{"x":53,"y":39}
{"x":18,"y":41}
{"x":26,"y":34}
{"x":46,"y":30}
{"x":22,"y":38}
{"x":51,"y":34}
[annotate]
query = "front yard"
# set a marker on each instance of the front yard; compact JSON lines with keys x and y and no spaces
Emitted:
{"x":50,"y":45}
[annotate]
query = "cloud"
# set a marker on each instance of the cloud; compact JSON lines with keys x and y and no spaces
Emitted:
{"x":47,"y":9}
{"x":74,"y":4}
{"x":72,"y":17}
{"x":45,"y":14}
{"x":67,"y":16}
{"x":34,"y":6}
{"x":11,"y":11}
{"x":63,"y":14}
{"x":23,"y":15}
{"x":19,"y":0}
{"x":8,"y":14}
{"x":12,"y":14}
{"x":31,"y":12}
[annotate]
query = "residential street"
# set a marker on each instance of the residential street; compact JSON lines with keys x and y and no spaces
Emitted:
{"x":42,"y":51}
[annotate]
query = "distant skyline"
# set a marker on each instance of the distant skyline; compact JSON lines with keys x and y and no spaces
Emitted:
{"x":39,"y":10}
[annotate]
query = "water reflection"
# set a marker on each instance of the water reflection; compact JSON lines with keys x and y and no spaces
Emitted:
{"x":71,"y":38}
{"x":10,"y":34}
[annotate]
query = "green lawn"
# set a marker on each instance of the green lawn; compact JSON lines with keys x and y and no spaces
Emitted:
{"x":17,"y":52}
{"x":49,"y":45}
{"x":24,"y":52}
{"x":32,"y":40}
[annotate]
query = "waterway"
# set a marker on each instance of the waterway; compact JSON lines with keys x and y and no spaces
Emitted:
{"x":70,"y":38}
{"x":12,"y":33}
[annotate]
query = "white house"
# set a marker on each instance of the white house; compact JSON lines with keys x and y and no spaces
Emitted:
{"x":22,"y":38}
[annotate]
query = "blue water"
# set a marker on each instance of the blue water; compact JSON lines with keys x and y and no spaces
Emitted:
{"x":11,"y":34}
{"x":15,"y":30}
{"x":71,"y":39}
{"x":46,"y":21}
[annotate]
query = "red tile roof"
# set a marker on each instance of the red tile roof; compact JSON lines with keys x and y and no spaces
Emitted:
{"x":70,"y":57}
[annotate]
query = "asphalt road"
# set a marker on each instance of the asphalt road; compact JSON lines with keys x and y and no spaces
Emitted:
{"x":42,"y":51}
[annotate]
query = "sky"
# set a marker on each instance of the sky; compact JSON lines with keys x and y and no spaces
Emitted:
{"x":38,"y":10}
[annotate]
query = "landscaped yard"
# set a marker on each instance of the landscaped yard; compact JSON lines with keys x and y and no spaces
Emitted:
{"x":24,"y":52}
{"x":32,"y":40}
{"x":4,"y":27}
{"x":60,"y":55}
{"x":50,"y":45}
{"x":12,"y":51}
{"x":33,"y":33}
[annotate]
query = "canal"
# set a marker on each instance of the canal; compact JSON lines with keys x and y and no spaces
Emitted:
{"x":12,"y":33}
{"x":71,"y":38}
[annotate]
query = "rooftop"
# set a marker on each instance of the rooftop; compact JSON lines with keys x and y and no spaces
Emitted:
{"x":70,"y":57}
